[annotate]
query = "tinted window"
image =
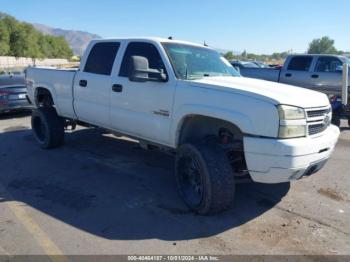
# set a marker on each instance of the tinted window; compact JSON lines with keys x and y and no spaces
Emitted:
{"x":328,"y":64}
{"x":101,"y":58}
{"x":300,"y":63}
{"x":141,"y":49}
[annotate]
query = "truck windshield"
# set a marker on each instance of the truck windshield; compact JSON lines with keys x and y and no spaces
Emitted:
{"x":192,"y":62}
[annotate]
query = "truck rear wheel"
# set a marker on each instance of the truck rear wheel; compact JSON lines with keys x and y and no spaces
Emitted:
{"x":48,"y":127}
{"x":204,"y":177}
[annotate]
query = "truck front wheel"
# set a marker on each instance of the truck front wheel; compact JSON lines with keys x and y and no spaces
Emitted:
{"x":48,"y":127}
{"x":204,"y":177}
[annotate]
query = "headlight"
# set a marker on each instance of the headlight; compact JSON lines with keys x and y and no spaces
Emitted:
{"x":292,"y":122}
{"x":290,"y":112}
{"x":292,"y":131}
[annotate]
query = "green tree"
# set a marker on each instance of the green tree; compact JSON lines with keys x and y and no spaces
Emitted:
{"x":4,"y":39}
{"x":22,"y":39}
{"x":229,"y":55}
{"x":323,"y":45}
{"x":45,"y":46}
{"x":24,"y":42}
{"x":63,"y":49}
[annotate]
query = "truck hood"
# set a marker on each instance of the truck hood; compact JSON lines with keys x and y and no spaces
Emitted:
{"x":271,"y":92}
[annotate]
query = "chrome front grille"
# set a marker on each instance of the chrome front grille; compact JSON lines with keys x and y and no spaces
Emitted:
{"x":318,"y":120}
{"x":318,"y":113}
{"x":315,"y":129}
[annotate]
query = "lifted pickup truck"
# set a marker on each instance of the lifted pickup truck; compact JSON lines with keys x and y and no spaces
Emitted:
{"x":187,"y":99}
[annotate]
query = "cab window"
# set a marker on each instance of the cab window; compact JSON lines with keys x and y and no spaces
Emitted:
{"x":101,"y":58}
{"x":328,"y":64}
{"x":147,"y":50}
{"x":300,"y":63}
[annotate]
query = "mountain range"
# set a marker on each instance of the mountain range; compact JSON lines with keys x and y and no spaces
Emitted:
{"x":78,"y":40}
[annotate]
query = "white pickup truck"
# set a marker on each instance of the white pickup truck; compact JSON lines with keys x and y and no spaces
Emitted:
{"x":187,"y":99}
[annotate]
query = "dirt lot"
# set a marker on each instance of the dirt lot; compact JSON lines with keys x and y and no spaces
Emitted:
{"x":103,"y":195}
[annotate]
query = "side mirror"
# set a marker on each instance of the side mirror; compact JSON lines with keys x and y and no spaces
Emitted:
{"x":237,"y":69}
{"x":339,"y":69}
{"x":139,"y":71}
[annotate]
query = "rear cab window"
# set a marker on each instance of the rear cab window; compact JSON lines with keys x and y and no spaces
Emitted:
{"x":300,"y":63}
{"x":101,"y":58}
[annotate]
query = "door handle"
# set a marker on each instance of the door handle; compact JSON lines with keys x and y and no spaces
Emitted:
{"x":315,"y":76}
{"x":83,"y":83}
{"x":117,"y":88}
{"x":288,"y":75}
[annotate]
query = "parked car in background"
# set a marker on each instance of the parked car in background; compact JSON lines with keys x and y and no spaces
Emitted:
{"x":279,"y":66}
{"x":261,"y":64}
{"x":12,"y":72}
{"x":13,"y":92}
{"x":248,"y":64}
{"x":242,"y":64}
{"x":317,"y":72}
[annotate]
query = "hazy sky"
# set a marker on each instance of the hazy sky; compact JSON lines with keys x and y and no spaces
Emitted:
{"x":263,"y":26}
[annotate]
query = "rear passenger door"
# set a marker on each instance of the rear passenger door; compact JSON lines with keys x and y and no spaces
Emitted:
{"x":92,"y":84}
{"x":298,"y":72}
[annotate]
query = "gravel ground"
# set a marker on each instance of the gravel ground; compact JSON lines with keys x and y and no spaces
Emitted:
{"x":100,"y":194}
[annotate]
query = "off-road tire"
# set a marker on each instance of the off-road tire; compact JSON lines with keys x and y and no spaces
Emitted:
{"x":48,"y":127}
{"x":216,"y":175}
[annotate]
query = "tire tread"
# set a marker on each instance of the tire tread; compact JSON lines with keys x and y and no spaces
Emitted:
{"x":54,"y":124}
{"x":220,"y":183}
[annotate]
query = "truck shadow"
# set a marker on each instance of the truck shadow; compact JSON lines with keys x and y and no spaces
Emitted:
{"x":111,"y":188}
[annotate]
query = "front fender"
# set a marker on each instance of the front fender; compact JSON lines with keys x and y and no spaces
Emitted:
{"x":239,"y":119}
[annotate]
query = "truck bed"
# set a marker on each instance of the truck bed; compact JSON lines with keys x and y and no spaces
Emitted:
{"x":269,"y":74}
{"x":59,"y":81}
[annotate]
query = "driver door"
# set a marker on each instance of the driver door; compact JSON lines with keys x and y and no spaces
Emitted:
{"x":142,"y":109}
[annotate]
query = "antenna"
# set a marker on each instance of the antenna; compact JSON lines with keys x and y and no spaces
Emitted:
{"x":170,"y":38}
{"x":205,"y":44}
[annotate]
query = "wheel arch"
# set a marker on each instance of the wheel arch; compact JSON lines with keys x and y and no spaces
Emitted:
{"x":193,"y":127}
{"x":236,"y":120}
{"x":41,"y":90}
